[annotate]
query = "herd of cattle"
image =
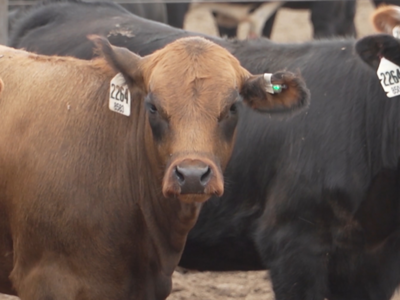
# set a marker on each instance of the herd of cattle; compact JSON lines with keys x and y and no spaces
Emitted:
{"x":244,"y":19}
{"x":149,"y":147}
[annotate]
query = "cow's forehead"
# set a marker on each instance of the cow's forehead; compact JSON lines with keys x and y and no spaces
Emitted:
{"x":193,"y":66}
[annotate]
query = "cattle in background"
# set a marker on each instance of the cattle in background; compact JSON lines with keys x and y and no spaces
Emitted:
{"x":97,"y":204}
{"x":386,"y":19}
{"x":176,"y":13}
{"x":152,"y":11}
{"x":386,"y":2}
{"x":247,"y":19}
{"x":297,"y":191}
{"x":255,"y":19}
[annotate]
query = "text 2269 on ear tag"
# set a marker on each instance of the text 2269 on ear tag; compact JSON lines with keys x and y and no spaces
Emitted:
{"x":389,"y":75}
{"x":120,"y":96}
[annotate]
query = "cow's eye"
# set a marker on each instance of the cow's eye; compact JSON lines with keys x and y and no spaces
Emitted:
{"x":151,"y":108}
{"x":233,"y":109}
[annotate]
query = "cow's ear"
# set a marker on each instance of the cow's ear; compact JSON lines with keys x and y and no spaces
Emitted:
{"x":121,"y":59}
{"x":278,"y":92}
{"x":372,"y":48}
{"x":385,"y":18}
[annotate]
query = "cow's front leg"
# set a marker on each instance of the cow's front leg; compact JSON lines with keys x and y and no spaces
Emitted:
{"x":297,"y":262}
{"x":295,"y":245}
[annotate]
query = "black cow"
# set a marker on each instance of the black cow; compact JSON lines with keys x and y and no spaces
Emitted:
{"x":152,"y":11}
{"x":118,"y":24}
{"x":295,"y":188}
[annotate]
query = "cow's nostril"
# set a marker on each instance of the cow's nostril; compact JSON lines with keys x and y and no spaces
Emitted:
{"x":179,"y":175}
{"x":205,"y":178}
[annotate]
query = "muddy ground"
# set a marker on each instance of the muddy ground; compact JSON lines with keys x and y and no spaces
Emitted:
{"x":291,"y":26}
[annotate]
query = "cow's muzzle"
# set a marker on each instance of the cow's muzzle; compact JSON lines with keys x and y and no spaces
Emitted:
{"x":193,"y":177}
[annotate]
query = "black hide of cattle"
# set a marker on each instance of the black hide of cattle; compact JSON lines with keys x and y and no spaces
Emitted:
{"x":299,"y":191}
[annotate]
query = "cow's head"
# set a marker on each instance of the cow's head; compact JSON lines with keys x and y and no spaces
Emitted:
{"x":191,"y":90}
{"x":371,"y":49}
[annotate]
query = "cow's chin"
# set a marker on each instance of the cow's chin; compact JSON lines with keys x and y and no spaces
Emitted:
{"x":193,"y":198}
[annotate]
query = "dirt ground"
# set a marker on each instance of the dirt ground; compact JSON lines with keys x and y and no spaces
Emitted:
{"x":291,"y":26}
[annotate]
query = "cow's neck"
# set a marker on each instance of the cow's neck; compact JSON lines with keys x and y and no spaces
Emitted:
{"x":388,"y":144}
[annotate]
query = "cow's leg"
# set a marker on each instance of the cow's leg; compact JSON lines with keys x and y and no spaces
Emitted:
{"x":373,"y":274}
{"x":386,"y":259}
{"x":333,"y":18}
{"x":294,"y":244}
{"x":297,"y":262}
{"x":260,"y":16}
{"x":48,"y":281}
{"x":176,"y":13}
{"x":60,"y":275}
{"x":199,"y":18}
{"x":347,"y":26}
{"x":373,"y":270}
{"x":6,"y":263}
{"x":6,"y":254}
{"x":323,"y":18}
{"x":268,"y":26}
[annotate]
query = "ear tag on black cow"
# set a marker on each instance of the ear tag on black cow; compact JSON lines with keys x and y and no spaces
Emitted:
{"x":120,"y":96}
{"x":269,"y":87}
{"x":389,"y":75}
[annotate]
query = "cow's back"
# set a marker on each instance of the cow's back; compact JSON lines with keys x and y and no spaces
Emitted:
{"x":39,"y":30}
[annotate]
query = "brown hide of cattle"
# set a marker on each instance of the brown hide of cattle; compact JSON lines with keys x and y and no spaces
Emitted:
{"x":92,"y":203}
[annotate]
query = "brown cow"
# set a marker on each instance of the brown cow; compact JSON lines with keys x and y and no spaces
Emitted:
{"x":97,"y":205}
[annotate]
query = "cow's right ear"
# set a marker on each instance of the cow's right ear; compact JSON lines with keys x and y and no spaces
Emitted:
{"x":275,"y":93}
{"x":121,"y":59}
{"x":372,"y":48}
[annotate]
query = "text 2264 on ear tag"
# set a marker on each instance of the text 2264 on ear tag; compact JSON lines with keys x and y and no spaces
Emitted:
{"x":389,"y":75}
{"x":120,"y":96}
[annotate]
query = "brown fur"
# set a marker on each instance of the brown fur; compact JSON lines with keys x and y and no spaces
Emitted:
{"x":83,"y":212}
{"x":1,"y":86}
{"x":385,"y":18}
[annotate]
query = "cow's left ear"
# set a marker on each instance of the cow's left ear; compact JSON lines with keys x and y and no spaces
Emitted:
{"x":121,"y":59}
{"x":278,"y":92}
{"x":372,"y":48}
